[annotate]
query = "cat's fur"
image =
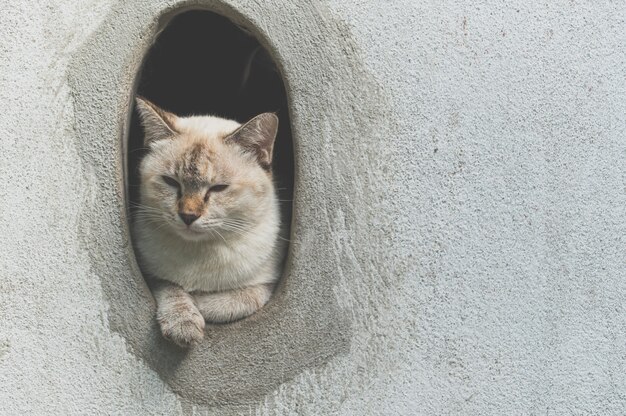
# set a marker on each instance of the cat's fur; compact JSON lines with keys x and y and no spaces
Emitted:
{"x":224,"y":264}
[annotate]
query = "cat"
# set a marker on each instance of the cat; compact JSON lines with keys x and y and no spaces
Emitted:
{"x":207,"y":226}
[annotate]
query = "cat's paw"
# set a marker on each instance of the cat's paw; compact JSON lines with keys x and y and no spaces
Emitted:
{"x":183,"y":327}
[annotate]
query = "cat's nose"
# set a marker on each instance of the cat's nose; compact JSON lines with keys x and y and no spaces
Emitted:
{"x":188,"y":218}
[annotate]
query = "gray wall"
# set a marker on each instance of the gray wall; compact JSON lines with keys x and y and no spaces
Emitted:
{"x":460,"y":215}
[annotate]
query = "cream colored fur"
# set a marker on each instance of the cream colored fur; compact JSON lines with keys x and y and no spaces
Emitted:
{"x":222,"y":266}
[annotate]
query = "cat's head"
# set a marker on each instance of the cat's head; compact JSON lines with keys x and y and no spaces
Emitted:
{"x":205,"y":177}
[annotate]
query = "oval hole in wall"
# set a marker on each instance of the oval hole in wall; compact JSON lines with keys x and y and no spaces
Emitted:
{"x":306,"y":324}
{"x":202,"y":63}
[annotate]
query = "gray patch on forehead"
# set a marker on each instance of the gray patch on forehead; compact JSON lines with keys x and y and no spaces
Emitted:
{"x":195,"y":167}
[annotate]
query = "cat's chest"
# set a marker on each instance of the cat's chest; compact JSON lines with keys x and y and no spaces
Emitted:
{"x":206,"y":267}
{"x":210,"y":267}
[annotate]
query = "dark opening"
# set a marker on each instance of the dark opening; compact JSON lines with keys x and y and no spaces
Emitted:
{"x":202,"y":63}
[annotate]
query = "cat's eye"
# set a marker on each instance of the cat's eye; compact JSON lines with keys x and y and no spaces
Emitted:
{"x":170,"y":181}
{"x":214,"y":188}
{"x":218,"y":188}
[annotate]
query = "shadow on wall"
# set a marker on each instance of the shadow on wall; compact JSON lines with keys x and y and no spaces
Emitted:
{"x":202,"y":63}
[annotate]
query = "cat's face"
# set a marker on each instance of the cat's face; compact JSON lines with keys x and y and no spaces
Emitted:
{"x":205,"y":177}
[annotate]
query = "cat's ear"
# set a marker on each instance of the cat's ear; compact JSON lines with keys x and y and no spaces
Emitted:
{"x":157,"y":123}
{"x":257,"y":136}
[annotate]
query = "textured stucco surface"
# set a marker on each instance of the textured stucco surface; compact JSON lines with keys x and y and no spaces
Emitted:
{"x":475,"y":209}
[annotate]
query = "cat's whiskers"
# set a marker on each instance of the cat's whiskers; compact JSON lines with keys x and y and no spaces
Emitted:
{"x":241,"y":230}
{"x":241,"y":225}
{"x":228,"y":225}
{"x":235,"y":231}
{"x":152,"y":216}
{"x":148,"y":217}
{"x":144,"y":208}
{"x":221,"y":236}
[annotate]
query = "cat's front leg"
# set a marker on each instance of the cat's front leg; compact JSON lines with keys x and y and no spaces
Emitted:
{"x":178,"y":316}
{"x":231,"y":305}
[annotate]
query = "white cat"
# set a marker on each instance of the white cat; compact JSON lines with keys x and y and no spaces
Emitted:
{"x":207,"y":226}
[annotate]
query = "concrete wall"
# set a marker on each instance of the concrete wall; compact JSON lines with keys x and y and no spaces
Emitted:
{"x":460,"y":223}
